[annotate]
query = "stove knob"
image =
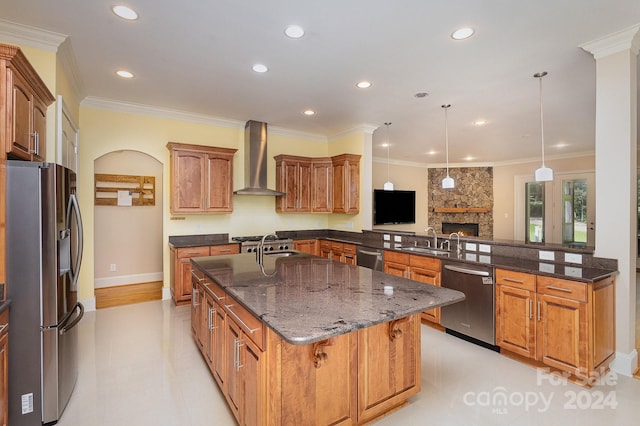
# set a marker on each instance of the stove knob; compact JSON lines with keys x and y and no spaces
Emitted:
{"x":286,"y":247}
{"x":270,"y":248}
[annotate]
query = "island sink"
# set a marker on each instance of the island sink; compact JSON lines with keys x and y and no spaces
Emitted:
{"x":426,"y":250}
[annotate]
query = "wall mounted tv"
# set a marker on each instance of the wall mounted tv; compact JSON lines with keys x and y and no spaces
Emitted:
{"x":393,"y":207}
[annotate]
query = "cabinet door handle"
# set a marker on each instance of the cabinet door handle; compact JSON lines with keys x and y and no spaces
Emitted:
{"x":211,"y":311}
{"x":565,"y":290}
{"x":194,"y":296}
{"x":36,"y":143}
{"x":539,"y":310}
{"x":224,"y":250}
{"x":530,"y":308}
{"x":197,"y":277}
{"x":237,"y":344}
{"x":249,"y":329}
{"x":513,"y":280}
{"x":3,"y":327}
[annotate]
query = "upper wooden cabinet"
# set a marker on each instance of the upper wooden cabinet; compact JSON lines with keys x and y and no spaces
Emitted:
{"x":318,"y":185}
{"x":346,"y":183}
{"x":25,"y":103}
{"x":293,"y":177}
{"x":201,"y":178}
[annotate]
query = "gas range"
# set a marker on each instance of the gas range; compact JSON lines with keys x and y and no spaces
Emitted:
{"x":271,"y":244}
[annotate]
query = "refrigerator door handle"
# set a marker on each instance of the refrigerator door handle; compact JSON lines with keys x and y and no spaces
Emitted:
{"x":73,"y":323}
{"x":75,"y":268}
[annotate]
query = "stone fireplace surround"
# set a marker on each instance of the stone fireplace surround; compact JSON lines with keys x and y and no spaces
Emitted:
{"x":470,"y":201}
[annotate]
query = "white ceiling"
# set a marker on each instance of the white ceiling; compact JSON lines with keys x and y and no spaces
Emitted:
{"x":196,"y":56}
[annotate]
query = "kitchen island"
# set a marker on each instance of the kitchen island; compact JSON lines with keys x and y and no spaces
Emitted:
{"x":305,"y":340}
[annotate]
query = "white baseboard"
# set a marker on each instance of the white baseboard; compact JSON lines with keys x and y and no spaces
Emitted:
{"x":625,"y":364}
{"x":127,"y":279}
{"x":166,"y":293}
{"x":89,"y":304}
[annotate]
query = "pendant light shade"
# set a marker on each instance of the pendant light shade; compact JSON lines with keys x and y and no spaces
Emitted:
{"x":447,"y":182}
{"x":388,"y":185}
{"x":544,"y":173}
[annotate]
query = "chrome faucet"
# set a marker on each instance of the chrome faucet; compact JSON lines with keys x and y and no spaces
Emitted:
{"x":458,"y":248}
{"x":435,"y":237}
{"x":259,"y":249}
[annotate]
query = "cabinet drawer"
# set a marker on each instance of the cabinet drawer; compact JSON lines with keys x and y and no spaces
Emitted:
{"x":337,"y":246}
{"x":225,"y":249}
{"x":250,"y":325}
{"x":425,"y":262}
{"x":349,"y":248}
{"x":214,"y":290}
{"x":325,"y":244}
{"x":186,"y":252}
{"x":573,"y":290}
{"x":396,"y":257}
{"x":516,"y":279}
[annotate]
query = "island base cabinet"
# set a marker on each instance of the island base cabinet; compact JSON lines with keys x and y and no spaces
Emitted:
{"x":312,"y":384}
{"x":388,"y":366}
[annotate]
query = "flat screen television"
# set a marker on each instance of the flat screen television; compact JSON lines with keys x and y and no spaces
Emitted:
{"x":393,"y":207}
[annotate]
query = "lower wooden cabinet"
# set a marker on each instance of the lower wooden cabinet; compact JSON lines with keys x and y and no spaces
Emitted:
{"x":418,"y":268}
{"x":180,"y":269}
{"x":566,"y":325}
{"x":341,"y":252}
{"x":307,"y":246}
{"x":345,"y":380}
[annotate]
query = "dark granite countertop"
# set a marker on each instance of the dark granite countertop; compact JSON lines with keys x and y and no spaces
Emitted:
{"x":305,"y":298}
{"x":182,"y":241}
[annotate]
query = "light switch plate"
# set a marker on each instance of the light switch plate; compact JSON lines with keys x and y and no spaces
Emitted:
{"x":547,"y":267}
{"x":386,"y":237}
{"x":470,"y":246}
{"x":397,"y":238}
{"x":484,"y":248}
{"x":573,"y":272}
{"x":573,"y":258}
{"x":546,"y":255}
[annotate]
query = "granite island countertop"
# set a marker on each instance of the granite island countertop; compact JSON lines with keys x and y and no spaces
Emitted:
{"x":306,"y":299}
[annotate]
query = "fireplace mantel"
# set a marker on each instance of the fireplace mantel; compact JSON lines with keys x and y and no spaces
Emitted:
{"x":461,"y":210}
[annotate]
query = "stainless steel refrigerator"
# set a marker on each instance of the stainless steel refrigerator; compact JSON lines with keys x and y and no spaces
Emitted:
{"x":44,"y":252}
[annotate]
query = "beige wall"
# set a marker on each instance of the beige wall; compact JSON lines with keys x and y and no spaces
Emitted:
{"x":128,"y":237}
{"x":410,"y":177}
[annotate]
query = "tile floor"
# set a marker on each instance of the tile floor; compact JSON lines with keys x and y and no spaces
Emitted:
{"x":139,"y":366}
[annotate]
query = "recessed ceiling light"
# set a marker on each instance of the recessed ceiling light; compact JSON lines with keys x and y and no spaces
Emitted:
{"x":432,"y":152}
{"x":309,"y":112}
{"x":363,"y":85}
{"x":124,"y":74}
{"x":294,"y":31}
{"x":421,"y":95}
{"x":384,"y":145}
{"x":480,"y":122}
{"x":462,"y":33}
{"x":561,"y":145}
{"x":125,"y":12}
{"x":468,"y":158}
{"x":260,"y":68}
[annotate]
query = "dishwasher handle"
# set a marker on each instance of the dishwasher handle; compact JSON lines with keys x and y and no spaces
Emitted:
{"x":469,"y":271}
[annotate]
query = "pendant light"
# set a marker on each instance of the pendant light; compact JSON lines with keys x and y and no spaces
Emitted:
{"x":544,"y":173}
{"x":447,"y":183}
{"x":388,"y":185}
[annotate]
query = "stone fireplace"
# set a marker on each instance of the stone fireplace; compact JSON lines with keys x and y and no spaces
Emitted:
{"x":469,"y":202}
{"x":462,"y":229}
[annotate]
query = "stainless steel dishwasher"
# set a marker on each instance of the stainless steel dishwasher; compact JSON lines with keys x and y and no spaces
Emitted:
{"x":370,"y":257}
{"x":474,"y":317}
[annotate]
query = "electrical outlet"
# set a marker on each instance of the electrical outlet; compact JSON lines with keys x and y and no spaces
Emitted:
{"x":397,"y":238}
{"x":470,"y":246}
{"x":484,"y":248}
{"x":573,"y":258}
{"x":546,"y":255}
{"x":112,"y":267}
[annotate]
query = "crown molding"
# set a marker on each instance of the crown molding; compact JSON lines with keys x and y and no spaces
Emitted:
{"x":625,"y":39}
{"x":30,"y":36}
{"x":289,"y":133}
{"x":67,"y":60}
{"x":365,"y":128}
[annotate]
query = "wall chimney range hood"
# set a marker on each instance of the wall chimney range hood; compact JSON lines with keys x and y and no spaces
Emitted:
{"x":255,"y":160}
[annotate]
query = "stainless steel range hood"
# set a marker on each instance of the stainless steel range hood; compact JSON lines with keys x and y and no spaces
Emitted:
{"x":255,"y":160}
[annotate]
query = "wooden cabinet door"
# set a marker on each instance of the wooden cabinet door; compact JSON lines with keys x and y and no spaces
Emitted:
{"x":397,"y":269}
{"x":183,"y":288}
{"x":304,"y":187}
{"x":321,"y":186}
{"x":188,"y":183}
{"x":562,"y":337}
{"x":207,"y":329}
{"x":306,"y":246}
{"x":326,"y":371}
{"x":427,"y":276}
{"x":251,"y":370}
{"x":516,"y":320}
{"x":233,"y":338}
{"x":346,"y":183}
{"x":196,"y":325}
{"x":388,"y":365}
{"x":325,"y":249}
{"x":219,"y":194}
{"x":218,"y":344}
{"x":20,"y":142}
{"x":293,"y":177}
{"x":349,"y":254}
{"x":39,"y":130}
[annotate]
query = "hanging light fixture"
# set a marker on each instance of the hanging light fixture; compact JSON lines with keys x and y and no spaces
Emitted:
{"x":388,"y":185}
{"x":544,"y":173}
{"x":447,"y":182}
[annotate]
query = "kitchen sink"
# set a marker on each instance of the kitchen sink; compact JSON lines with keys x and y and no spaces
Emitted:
{"x":282,"y":253}
{"x":426,"y":250}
